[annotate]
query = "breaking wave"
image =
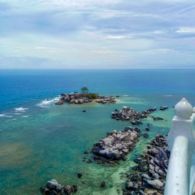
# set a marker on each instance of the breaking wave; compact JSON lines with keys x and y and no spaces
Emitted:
{"x":5,"y":116}
{"x":20,"y":109}
{"x":47,"y":102}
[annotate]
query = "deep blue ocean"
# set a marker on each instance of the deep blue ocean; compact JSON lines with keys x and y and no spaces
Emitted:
{"x":39,"y":142}
{"x":23,"y":86}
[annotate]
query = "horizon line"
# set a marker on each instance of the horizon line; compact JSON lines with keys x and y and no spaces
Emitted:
{"x":18,"y":69}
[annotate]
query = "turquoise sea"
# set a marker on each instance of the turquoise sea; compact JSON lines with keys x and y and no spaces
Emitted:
{"x":39,"y":142}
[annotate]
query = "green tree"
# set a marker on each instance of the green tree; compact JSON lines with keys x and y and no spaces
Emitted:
{"x":84,"y":90}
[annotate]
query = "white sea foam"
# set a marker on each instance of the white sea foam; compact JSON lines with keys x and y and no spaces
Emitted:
{"x":2,"y":115}
{"x":5,"y":116}
{"x":47,"y":102}
{"x":25,"y":116}
{"x":18,"y":113}
{"x":21,"y":109}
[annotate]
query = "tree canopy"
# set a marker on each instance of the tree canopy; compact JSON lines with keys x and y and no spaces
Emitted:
{"x":84,"y":90}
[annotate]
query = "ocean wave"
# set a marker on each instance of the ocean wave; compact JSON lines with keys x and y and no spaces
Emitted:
{"x":47,"y":102}
{"x":5,"y":116}
{"x":25,"y":116}
{"x":20,"y":109}
{"x":2,"y":115}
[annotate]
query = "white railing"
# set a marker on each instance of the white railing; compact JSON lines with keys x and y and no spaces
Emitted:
{"x":180,"y":175}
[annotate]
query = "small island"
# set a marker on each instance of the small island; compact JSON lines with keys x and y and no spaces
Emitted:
{"x":85,"y":97}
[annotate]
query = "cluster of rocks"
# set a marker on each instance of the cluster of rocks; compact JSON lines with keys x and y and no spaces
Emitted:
{"x":78,"y":98}
{"x":106,"y":100}
{"x":73,"y":99}
{"x":54,"y":188}
{"x":115,"y":146}
{"x":127,"y":113}
{"x":148,"y":176}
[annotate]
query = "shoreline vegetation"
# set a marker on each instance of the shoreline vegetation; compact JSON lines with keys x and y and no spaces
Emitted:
{"x":149,"y":174}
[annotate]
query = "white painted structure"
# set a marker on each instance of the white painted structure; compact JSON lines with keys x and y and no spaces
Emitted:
{"x":181,"y":170}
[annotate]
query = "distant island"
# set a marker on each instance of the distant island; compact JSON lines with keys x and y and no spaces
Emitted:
{"x":85,"y":97}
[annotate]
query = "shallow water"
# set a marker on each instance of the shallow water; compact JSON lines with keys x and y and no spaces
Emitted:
{"x":38,"y":144}
{"x":50,"y":144}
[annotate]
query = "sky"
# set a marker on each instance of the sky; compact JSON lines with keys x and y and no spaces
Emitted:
{"x":97,"y":34}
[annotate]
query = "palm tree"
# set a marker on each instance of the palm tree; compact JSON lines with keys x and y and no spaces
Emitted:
{"x":84,"y":90}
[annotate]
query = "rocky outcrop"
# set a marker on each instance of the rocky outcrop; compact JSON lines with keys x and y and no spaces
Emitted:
{"x":78,"y":98}
{"x":135,"y":118}
{"x":105,"y":100}
{"x":115,"y":146}
{"x":148,"y":177}
{"x":127,"y":113}
{"x":54,"y":188}
{"x":73,"y":99}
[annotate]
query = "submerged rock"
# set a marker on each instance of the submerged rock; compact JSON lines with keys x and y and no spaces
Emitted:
{"x":145,"y":135}
{"x":103,"y":184}
{"x":136,"y":122}
{"x":162,"y":108}
{"x":79,"y":175}
{"x":147,"y":129}
{"x":157,"y":118}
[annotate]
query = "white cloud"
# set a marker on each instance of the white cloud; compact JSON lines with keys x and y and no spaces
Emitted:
{"x":81,"y":3}
{"x":186,"y":30}
{"x":66,"y":5}
{"x":97,"y":33}
{"x":74,"y":52}
{"x":116,"y":37}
